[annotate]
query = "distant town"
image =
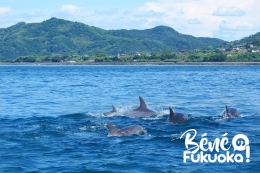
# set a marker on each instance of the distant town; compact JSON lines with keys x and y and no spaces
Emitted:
{"x":237,"y":53}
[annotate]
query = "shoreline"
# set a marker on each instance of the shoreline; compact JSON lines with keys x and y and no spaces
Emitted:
{"x":138,"y":63}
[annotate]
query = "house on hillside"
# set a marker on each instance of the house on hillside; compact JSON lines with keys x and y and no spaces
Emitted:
{"x":120,"y":55}
{"x":228,"y":49}
{"x":137,"y":54}
{"x":249,"y":45}
{"x":184,"y":50}
{"x":255,"y":50}
{"x":221,"y":49}
{"x":234,"y":48}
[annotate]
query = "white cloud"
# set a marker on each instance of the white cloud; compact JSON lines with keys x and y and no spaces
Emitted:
{"x":194,"y":21}
{"x":5,"y":10}
{"x":74,"y":10}
{"x":229,"y":18}
{"x":69,"y":8}
{"x":9,"y":17}
{"x":235,"y":26}
{"x":230,"y":11}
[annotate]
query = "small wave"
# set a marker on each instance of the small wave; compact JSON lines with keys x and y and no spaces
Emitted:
{"x":94,"y":114}
{"x":83,"y":128}
{"x":161,"y":114}
{"x":74,"y":115}
{"x":120,"y":112}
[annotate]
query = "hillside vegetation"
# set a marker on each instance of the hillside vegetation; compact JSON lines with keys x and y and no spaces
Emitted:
{"x":61,"y":37}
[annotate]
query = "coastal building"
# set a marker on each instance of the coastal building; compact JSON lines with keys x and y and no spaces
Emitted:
{"x":255,"y":51}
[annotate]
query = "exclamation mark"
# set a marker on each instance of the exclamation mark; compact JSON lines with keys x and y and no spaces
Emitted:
{"x":247,"y":153}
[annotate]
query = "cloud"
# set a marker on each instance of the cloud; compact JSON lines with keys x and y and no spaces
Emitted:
{"x":193,"y":21}
{"x":109,"y":11}
{"x":234,"y":30}
{"x":230,"y":11}
{"x":5,"y":10}
{"x":204,"y":18}
{"x":153,"y":14}
{"x":235,"y":26}
{"x":9,"y":17}
{"x":72,"y":9}
{"x":76,"y":11}
{"x":186,"y":16}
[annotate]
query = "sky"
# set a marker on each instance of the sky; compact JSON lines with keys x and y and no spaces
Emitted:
{"x":225,"y":19}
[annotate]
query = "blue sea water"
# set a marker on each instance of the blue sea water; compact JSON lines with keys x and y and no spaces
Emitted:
{"x":52,"y":116}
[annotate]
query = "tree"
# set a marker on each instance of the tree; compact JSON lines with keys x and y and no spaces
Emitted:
{"x":56,"y":59}
{"x":219,"y":57}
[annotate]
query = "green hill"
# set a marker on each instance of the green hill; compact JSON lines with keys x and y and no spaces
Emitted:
{"x":58,"y":36}
{"x":252,"y":39}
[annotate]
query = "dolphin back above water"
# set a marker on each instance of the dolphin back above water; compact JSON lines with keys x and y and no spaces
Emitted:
{"x":130,"y":130}
{"x":179,"y":118}
{"x":231,"y":113}
{"x":141,"y":111}
{"x":110,"y":112}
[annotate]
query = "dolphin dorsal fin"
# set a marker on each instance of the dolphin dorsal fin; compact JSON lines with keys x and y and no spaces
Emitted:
{"x":142,"y":103}
{"x":112,"y":129}
{"x":114,"y":109}
{"x":171,"y":113}
{"x":227,"y":112}
{"x":226,"y":109}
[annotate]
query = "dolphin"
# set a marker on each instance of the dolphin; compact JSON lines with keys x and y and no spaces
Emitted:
{"x":110,"y":112}
{"x":179,"y":118}
{"x":231,"y":113}
{"x":141,"y":111}
{"x":130,"y":130}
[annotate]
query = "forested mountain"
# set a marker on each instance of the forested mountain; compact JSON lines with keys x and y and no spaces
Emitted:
{"x":252,"y":39}
{"x":58,"y":36}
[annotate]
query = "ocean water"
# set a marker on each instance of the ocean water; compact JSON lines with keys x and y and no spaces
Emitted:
{"x":52,"y":120}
